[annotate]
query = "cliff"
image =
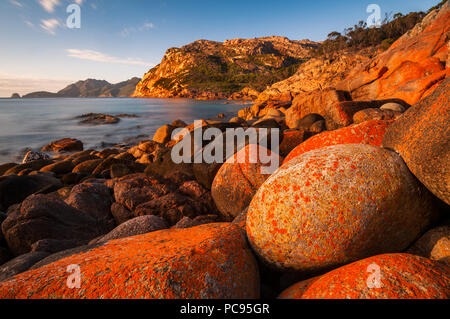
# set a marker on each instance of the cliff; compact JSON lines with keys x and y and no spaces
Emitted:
{"x":209,"y":69}
{"x":91,"y":88}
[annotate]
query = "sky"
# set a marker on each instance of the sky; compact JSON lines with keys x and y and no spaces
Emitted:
{"x":121,"y":39}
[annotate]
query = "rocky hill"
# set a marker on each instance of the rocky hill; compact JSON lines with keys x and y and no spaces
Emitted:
{"x":91,"y":88}
{"x":209,"y":69}
{"x":409,"y":69}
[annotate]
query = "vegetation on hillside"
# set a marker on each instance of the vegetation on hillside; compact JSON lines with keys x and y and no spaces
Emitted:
{"x":361,"y":36}
{"x":217,"y":74}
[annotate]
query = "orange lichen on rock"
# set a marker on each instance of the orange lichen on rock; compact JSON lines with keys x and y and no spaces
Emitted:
{"x":410,"y":67}
{"x":401,"y":276}
{"x":370,"y":132}
{"x":210,"y":261}
{"x":422,"y":137}
{"x":336,"y":205}
{"x":239,"y":178}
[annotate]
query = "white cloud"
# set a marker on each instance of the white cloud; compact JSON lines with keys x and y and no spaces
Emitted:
{"x":101,"y":57}
{"x":50,"y":25}
{"x":16,"y":3}
{"x":49,"y":5}
{"x":29,"y":23}
{"x":146,"y":26}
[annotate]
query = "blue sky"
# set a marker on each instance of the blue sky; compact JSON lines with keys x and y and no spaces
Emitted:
{"x":119,"y":39}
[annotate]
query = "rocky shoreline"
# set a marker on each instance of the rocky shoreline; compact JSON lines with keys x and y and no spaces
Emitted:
{"x":358,"y":209}
{"x":83,"y":204}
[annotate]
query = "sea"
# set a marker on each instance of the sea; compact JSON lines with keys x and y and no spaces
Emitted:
{"x":29,"y":124}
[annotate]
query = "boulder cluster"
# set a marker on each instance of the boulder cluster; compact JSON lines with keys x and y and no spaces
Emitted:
{"x":357,"y":209}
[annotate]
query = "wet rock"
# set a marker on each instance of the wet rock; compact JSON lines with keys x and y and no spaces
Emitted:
{"x":14,"y":189}
{"x":422,"y":137}
{"x":104,"y":154}
{"x":35,"y":156}
{"x":402,"y":276}
{"x":64,"y":145}
{"x":32,"y":166}
{"x":6,"y":167}
{"x":238,"y":180}
{"x":87,"y":167}
{"x":435,"y":245}
{"x":163,"y":134}
{"x":84,"y":158}
{"x":59,"y":168}
{"x":47,"y":217}
{"x":136,"y":226}
{"x":98,"y":119}
{"x":205,"y":262}
{"x":336,"y":205}
{"x":20,"y":264}
{"x":178,"y":123}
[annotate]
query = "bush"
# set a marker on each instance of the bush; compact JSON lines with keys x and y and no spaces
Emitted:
{"x":360,"y":36}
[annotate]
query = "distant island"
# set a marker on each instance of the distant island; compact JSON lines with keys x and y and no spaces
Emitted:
{"x":89,"y":88}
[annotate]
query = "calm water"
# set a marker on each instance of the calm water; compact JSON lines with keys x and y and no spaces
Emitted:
{"x":32,"y":123}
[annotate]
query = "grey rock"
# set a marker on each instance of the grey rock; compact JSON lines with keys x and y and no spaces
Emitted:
{"x":20,"y":264}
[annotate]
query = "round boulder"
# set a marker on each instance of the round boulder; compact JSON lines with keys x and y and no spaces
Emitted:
{"x":422,"y":137}
{"x":336,"y":205}
{"x":164,"y":134}
{"x":238,"y":180}
{"x":396,"y":107}
{"x":136,"y":226}
{"x":393,"y":276}
{"x":64,"y":145}
{"x":435,"y":245}
{"x":34,"y":156}
{"x":205,"y":262}
{"x":370,"y":133}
